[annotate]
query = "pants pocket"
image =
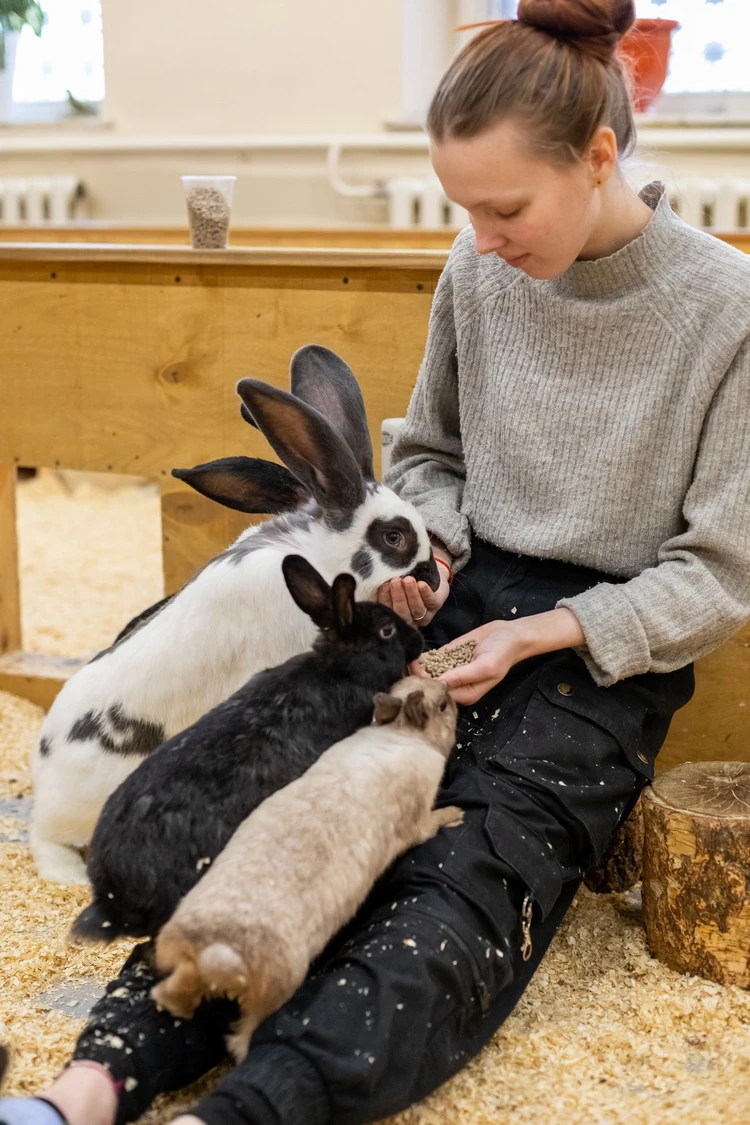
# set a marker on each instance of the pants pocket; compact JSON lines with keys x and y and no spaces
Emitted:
{"x":584,"y":745}
{"x":529,"y":856}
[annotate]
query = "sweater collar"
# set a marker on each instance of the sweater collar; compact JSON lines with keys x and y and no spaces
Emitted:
{"x":632,"y":266}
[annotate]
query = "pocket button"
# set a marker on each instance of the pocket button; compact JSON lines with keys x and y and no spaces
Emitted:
{"x":565,"y":689}
{"x":642,"y":757}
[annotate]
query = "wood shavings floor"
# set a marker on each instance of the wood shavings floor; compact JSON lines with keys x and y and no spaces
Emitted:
{"x":604,"y":1035}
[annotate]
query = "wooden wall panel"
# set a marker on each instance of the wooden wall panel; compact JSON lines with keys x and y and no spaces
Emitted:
{"x":10,"y":592}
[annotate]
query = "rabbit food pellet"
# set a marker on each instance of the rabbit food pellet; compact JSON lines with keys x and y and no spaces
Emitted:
{"x":208,"y":212}
{"x":442,"y":660}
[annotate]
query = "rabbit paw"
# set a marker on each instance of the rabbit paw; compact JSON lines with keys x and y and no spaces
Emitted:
{"x":449,"y":817}
{"x":238,"y":1041}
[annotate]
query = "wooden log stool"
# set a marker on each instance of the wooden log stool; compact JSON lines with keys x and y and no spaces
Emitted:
{"x":619,"y":869}
{"x":696,"y":870}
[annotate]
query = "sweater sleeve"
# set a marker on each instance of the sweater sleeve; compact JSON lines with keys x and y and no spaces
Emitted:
{"x":698,"y":594}
{"x":427,"y":466}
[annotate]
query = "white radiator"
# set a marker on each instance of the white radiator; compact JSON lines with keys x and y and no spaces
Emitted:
{"x":38,"y":199}
{"x":714,"y":204}
{"x":421,"y":202}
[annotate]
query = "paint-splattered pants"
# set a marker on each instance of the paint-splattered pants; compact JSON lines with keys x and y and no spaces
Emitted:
{"x":545,"y":768}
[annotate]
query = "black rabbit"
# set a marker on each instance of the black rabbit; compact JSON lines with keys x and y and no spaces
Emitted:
{"x":165,"y":824}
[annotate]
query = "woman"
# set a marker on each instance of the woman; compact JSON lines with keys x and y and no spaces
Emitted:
{"x":578,"y":443}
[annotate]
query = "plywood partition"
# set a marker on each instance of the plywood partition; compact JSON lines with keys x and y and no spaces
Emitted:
{"x":124,"y":359}
{"x":10,"y":593}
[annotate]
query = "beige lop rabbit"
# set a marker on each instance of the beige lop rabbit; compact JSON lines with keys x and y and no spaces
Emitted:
{"x":299,"y":866}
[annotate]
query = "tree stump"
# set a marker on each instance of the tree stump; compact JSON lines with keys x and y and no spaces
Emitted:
{"x":620,"y":867}
{"x":696,"y":870}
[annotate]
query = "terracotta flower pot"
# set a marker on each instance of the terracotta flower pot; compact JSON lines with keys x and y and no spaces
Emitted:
{"x":645,"y":52}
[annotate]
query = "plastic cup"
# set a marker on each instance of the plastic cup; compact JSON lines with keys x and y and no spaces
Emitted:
{"x":209,"y":205}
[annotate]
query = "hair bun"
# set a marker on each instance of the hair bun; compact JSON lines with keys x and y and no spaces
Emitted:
{"x":595,"y":26}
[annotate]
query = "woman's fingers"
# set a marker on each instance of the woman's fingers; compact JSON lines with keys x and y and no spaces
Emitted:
{"x":417,"y":607}
{"x":384,"y":595}
{"x":480,"y":668}
{"x":417,"y":669}
{"x":467,"y":695}
{"x":399,"y":602}
{"x":428,"y":596}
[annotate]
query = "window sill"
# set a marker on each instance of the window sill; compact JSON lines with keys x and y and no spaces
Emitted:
{"x":53,"y":123}
{"x":94,"y":135}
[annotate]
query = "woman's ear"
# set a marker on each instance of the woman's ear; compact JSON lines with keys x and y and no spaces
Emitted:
{"x":602,"y":155}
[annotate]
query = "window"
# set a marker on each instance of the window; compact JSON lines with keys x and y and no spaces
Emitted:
{"x":709,"y":51}
{"x":67,"y":56}
{"x":709,"y":70}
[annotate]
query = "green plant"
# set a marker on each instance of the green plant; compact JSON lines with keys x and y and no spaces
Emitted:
{"x":14,"y":14}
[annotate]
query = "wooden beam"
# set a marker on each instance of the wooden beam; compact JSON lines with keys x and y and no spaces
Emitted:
{"x":343,"y":258}
{"x":35,"y":676}
{"x":371,"y":238}
{"x":10,"y":589}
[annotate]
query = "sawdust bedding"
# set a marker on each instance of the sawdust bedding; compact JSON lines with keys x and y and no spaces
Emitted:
{"x":604,"y":1035}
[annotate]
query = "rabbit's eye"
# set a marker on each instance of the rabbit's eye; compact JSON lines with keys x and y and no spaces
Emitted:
{"x":443,"y":705}
{"x":395,"y":539}
{"x":387,"y":632}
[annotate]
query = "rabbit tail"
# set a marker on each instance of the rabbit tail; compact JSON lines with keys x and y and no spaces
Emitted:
{"x":223,"y":970}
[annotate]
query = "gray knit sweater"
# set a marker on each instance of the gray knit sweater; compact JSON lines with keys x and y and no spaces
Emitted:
{"x":601,"y":418}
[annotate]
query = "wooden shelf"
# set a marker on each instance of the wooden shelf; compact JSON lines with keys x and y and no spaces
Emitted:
{"x":35,"y":676}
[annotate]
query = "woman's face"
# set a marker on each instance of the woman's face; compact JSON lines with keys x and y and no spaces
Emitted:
{"x":537,"y":215}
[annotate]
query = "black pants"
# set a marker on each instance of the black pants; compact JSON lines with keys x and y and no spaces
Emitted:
{"x":545,"y":767}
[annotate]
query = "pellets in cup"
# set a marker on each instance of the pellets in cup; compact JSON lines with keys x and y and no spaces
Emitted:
{"x":209,"y":202}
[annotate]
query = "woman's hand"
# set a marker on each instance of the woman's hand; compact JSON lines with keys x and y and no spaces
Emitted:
{"x":501,"y":644}
{"x":415,"y":601}
{"x":412,"y":600}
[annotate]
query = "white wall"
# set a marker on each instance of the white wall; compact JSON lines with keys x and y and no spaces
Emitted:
{"x":251,"y":66}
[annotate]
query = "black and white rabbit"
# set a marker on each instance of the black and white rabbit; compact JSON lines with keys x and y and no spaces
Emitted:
{"x":165,"y":824}
{"x":179,"y":659}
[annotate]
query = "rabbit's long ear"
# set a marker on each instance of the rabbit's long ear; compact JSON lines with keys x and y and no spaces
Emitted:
{"x":344,"y":586}
{"x":310,"y":591}
{"x":322,"y":380}
{"x":309,"y":445}
{"x":247,"y":484}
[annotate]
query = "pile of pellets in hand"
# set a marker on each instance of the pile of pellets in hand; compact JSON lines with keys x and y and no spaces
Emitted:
{"x":208,"y":212}
{"x":441,"y":660}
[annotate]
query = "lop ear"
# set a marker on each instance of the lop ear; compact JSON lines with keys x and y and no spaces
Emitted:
{"x":387,"y":708}
{"x":247,"y":484}
{"x":307,"y":443}
{"x":415,"y":710}
{"x":320,"y":378}
{"x":344,"y":586}
{"x":310,"y":591}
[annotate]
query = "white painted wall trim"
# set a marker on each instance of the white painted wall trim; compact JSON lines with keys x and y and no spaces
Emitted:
{"x":650,"y":135}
